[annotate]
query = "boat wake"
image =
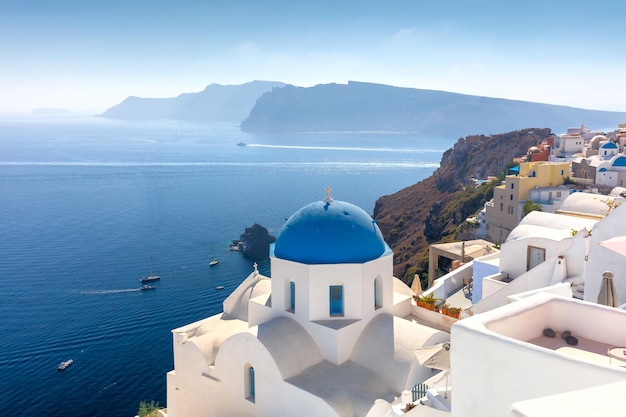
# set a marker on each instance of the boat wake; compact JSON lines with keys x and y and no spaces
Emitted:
{"x":108,"y":386}
{"x":108,"y":291}
{"x":345,"y":148}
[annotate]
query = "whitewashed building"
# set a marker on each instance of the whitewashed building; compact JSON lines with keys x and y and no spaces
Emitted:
{"x":503,"y":364}
{"x":325,"y":336}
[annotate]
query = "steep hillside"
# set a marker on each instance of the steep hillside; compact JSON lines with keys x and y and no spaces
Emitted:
{"x":363,"y":106}
{"x":432,"y":209}
{"x":216,"y":103}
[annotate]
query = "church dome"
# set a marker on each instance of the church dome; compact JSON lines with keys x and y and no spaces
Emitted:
{"x":330,"y":232}
{"x":608,"y":145}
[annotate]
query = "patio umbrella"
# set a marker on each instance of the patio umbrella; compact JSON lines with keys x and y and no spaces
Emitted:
{"x":436,"y":357}
{"x":616,"y":244}
{"x":607,"y":295}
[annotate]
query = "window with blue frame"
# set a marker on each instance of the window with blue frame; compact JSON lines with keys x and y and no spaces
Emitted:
{"x":250,"y":394}
{"x":292,"y":296}
{"x":336,"y":300}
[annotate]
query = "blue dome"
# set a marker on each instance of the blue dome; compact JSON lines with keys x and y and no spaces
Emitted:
{"x":620,"y":161}
{"x":332,"y":232}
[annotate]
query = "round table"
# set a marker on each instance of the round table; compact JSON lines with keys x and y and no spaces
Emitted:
{"x":618,"y":353}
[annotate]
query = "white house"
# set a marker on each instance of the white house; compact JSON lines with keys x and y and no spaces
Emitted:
{"x":547,"y":249}
{"x":325,"y":336}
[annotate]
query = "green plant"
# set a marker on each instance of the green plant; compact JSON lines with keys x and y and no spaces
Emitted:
{"x":428,"y":299}
{"x":612,"y":205}
{"x":148,"y":409}
{"x":529,"y":206}
{"x":454,"y":312}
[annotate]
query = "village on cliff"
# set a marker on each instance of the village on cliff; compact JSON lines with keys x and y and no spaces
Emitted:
{"x":526,"y":320}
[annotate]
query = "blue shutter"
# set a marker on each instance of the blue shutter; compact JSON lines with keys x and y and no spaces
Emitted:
{"x":292,"y":296}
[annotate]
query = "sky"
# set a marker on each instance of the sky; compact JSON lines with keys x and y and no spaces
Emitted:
{"x":89,"y":55}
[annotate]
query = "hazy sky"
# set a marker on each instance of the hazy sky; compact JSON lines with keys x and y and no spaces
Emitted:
{"x":91,"y":54}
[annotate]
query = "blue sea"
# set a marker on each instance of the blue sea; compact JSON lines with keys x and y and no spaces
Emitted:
{"x":89,"y":205}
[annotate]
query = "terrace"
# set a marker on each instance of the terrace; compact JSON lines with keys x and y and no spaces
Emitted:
{"x":509,"y":345}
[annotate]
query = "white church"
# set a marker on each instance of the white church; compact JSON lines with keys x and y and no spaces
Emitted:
{"x":328,"y":335}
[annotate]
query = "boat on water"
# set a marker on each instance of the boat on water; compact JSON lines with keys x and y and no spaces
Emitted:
{"x":242,"y":144}
{"x":63,"y":365}
{"x":214,"y":261}
{"x":219,"y":287}
{"x":151,"y":277}
{"x":147,"y":287}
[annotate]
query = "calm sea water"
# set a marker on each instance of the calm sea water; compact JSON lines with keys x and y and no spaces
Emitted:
{"x":88,"y":206}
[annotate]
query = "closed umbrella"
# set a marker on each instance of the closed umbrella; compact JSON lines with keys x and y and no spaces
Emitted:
{"x":607,"y":295}
{"x":417,"y":285}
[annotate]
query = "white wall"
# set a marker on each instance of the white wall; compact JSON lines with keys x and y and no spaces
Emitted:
{"x":513,"y":255}
{"x":335,"y":335}
{"x":482,"y":267}
{"x":492,"y":368}
{"x":602,"y":259}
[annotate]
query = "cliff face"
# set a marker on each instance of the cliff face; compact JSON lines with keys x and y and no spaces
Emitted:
{"x":432,"y":209}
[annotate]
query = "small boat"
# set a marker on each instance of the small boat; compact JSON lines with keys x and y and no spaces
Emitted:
{"x":63,"y":365}
{"x":213,"y":260}
{"x":242,"y":144}
{"x":151,"y":277}
{"x":147,"y":287}
{"x":219,"y":287}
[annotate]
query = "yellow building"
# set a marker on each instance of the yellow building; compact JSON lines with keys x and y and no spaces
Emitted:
{"x":504,"y":212}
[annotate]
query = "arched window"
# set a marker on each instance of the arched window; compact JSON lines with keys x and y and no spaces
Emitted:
{"x":378,"y":292}
{"x":249,"y":382}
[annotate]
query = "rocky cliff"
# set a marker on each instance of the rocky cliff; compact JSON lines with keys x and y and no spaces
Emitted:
{"x":255,"y":242}
{"x":433,"y":209}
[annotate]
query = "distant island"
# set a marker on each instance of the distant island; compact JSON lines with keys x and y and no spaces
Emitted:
{"x":358,"y":106}
{"x":216,"y":103}
{"x":275,"y":107}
